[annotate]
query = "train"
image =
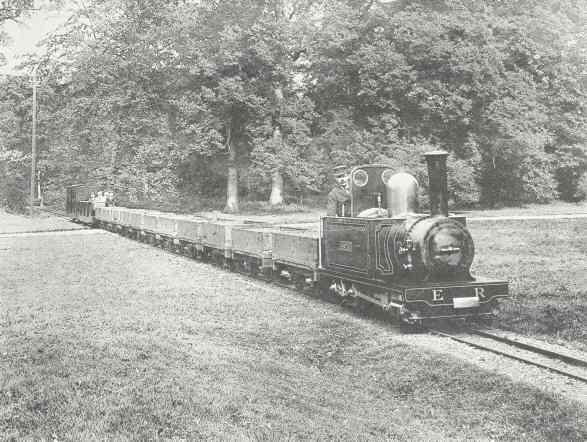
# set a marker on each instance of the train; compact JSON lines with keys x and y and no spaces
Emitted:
{"x":413,"y":266}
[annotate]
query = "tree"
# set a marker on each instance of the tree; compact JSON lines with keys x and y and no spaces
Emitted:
{"x":167,"y":100}
{"x":238,"y":57}
{"x":462,"y":76}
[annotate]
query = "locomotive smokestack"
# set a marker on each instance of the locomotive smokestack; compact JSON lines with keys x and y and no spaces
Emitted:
{"x":437,"y":177}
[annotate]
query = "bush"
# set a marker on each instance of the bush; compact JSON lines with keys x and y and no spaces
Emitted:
{"x":581,"y":192}
{"x":572,"y":184}
{"x":14,"y":188}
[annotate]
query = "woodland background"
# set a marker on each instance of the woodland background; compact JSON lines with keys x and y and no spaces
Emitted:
{"x":193,"y":103}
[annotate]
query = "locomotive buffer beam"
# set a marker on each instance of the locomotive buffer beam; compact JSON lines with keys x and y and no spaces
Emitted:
{"x":417,"y":301}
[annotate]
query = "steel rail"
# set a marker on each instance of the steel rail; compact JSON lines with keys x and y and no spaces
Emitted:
{"x":529,"y":347}
{"x":518,"y":358}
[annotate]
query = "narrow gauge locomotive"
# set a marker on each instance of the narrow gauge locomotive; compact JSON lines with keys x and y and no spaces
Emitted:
{"x":415,"y":266}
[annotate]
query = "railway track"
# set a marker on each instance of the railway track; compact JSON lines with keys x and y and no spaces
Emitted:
{"x":561,"y":363}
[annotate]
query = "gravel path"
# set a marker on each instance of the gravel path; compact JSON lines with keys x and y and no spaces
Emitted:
{"x":66,"y":232}
{"x":42,"y":223}
{"x":517,"y":371}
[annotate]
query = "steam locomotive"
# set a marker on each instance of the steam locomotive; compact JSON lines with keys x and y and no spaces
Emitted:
{"x":414,"y":266}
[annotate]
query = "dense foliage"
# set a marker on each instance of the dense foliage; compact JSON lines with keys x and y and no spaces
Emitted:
{"x":188,"y":100}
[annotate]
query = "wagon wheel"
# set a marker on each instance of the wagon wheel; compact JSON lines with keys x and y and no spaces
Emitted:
{"x":244,"y":265}
{"x":267,"y":274}
{"x":253,"y":267}
{"x":299,"y":282}
{"x":192,"y":251}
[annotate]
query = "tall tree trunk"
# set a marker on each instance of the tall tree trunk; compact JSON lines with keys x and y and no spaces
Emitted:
{"x":232,"y":179}
{"x":276,"y":196}
{"x":276,"y":188}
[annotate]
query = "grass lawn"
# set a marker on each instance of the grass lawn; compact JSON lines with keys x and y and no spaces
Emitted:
{"x":105,"y":338}
{"x":554,"y":208}
{"x":546,"y":264}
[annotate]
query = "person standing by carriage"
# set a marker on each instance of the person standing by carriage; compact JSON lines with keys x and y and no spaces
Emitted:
{"x":339,"y":198}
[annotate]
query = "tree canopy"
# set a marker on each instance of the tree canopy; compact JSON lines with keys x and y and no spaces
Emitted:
{"x":187,"y":100}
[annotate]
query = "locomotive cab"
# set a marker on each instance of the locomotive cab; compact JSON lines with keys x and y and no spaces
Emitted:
{"x":376,"y":186}
{"x":385,"y":236}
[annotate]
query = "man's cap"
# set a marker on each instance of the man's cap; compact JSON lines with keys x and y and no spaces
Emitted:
{"x":339,"y":171}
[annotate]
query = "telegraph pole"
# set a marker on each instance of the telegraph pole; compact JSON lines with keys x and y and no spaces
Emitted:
{"x":34,"y":140}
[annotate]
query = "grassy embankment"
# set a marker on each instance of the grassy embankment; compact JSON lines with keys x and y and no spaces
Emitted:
{"x":104,"y":338}
{"x":546,"y":264}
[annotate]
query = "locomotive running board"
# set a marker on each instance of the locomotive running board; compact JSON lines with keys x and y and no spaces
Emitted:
{"x":384,"y":296}
{"x":458,"y":294}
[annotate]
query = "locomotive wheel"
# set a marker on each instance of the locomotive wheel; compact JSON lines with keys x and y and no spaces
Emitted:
{"x":325,"y":292}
